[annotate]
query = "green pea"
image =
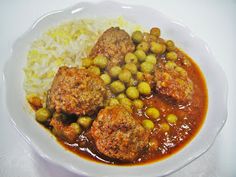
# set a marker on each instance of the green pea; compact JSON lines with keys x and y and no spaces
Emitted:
{"x":148,"y":37}
{"x":164,"y":127}
{"x":186,"y":62}
{"x":139,"y":76}
{"x":42,"y":115}
{"x":151,"y":59}
{"x":144,"y":46}
{"x":148,"y":124}
{"x":170,"y":65}
{"x":147,"y":67}
{"x":121,"y":95}
{"x":126,"y":102}
{"x":171,"y":56}
{"x":117,"y":87}
{"x":85,"y":121}
{"x":113,"y":101}
{"x":170,"y":45}
{"x":131,"y":67}
{"x":106,"y":78}
{"x":76,"y":127}
{"x":152,"y":38}
{"x":140,"y":54}
{"x":155,"y":31}
{"x":115,"y":71}
{"x":86,"y":62}
{"x":125,"y":76}
{"x":172,"y":118}
{"x":131,"y":58}
{"x":152,"y":113}
{"x":100,"y":61}
{"x":138,"y":103}
{"x":156,"y":48}
{"x":95,"y":70}
{"x":181,"y":71}
{"x":144,"y":88}
{"x":137,"y":36}
{"x":132,"y":93}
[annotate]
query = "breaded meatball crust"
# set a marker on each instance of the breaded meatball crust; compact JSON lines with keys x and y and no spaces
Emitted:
{"x":76,"y":91}
{"x":114,"y":44}
{"x":118,"y":134}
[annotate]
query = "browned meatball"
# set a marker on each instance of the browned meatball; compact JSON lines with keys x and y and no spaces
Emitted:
{"x":174,"y":82}
{"x":76,"y":91}
{"x":118,"y":134}
{"x":114,"y":44}
{"x":63,"y":131}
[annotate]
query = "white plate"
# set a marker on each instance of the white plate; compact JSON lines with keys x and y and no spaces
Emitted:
{"x":47,"y":146}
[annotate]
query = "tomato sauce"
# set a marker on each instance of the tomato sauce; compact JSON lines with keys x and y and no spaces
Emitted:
{"x":190,"y":119}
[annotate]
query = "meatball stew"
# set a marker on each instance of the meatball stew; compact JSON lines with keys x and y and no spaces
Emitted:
{"x":136,"y":99}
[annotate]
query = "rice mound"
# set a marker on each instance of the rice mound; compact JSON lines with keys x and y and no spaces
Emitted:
{"x":65,"y":44}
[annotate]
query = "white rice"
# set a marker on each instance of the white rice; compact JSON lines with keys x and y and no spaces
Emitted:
{"x":64,"y":44}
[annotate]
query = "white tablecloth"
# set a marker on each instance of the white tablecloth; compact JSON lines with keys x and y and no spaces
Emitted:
{"x":214,"y":21}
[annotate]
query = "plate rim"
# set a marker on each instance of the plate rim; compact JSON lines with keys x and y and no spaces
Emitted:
{"x":81,"y":4}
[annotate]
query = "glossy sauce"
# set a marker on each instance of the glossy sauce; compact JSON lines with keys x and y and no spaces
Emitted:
{"x":190,"y":119}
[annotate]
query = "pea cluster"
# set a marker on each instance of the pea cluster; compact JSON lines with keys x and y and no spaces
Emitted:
{"x":127,"y":82}
{"x":84,"y":122}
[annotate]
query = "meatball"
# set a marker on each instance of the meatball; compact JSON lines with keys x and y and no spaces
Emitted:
{"x":118,"y":134}
{"x":114,"y":44}
{"x":174,"y":82}
{"x":76,"y":91}
{"x":63,"y":131}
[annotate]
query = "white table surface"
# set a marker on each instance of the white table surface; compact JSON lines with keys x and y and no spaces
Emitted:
{"x":214,"y":21}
